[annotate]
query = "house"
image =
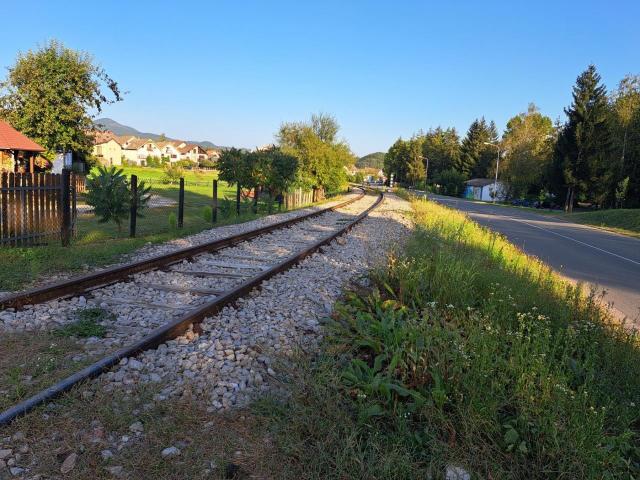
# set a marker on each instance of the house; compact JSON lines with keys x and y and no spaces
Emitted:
{"x":193,"y":152}
{"x":171,"y":150}
{"x":18,"y":153}
{"x":136,"y":150}
{"x":483,"y":188}
{"x":108,"y":152}
{"x":213,"y":154}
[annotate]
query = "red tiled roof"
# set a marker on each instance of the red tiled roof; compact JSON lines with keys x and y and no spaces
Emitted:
{"x":11,"y":139}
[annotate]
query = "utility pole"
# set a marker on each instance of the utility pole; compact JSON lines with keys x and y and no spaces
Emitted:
{"x":495,"y":181}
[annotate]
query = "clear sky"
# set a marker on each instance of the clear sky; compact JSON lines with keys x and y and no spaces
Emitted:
{"x":232,"y":71}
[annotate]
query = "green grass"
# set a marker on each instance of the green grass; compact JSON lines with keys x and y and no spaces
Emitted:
{"x":88,"y":324}
{"x":464,"y":352}
{"x":97,"y":244}
{"x":623,"y":220}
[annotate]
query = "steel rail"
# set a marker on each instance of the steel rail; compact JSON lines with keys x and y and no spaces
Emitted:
{"x":77,"y":285}
{"x":175,"y":328}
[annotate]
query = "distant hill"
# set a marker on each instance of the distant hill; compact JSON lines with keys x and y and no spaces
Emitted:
{"x":119,"y":129}
{"x":373,"y":160}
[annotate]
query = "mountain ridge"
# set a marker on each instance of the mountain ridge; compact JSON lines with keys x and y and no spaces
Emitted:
{"x":107,"y":123}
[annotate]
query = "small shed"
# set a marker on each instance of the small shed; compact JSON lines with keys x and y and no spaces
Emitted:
{"x":17,"y":151}
{"x":482,"y":189}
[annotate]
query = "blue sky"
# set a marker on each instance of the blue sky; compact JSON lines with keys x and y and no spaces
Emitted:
{"x":232,"y":71}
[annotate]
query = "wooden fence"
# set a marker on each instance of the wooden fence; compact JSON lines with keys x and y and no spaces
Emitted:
{"x":35,"y":208}
{"x":300,"y":197}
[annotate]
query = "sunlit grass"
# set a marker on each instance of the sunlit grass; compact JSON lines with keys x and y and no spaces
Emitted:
{"x":466,"y":352}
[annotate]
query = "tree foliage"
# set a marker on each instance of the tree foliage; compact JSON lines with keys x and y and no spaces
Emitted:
{"x":476,"y":157}
{"x":322,"y":158}
{"x":528,"y":144}
{"x":271,"y":169}
{"x":442,"y":148}
{"x":52,"y":94}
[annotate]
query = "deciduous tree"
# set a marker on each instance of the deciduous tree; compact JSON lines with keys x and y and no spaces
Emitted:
{"x":53,"y":93}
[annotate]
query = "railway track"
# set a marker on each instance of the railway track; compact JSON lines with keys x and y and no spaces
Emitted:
{"x":160,"y":298}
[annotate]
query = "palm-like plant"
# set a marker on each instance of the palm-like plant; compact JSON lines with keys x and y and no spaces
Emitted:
{"x":109,"y":193}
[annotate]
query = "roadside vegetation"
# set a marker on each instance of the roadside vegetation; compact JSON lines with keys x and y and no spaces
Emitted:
{"x":466,"y":353}
{"x":592,"y":158}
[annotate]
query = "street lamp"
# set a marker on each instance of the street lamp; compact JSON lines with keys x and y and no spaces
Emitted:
{"x":495,"y":182}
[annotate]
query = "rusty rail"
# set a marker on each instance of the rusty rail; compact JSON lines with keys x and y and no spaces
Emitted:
{"x":175,"y":328}
{"x":78,"y":285}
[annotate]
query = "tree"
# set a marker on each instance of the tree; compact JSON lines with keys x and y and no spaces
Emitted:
{"x":109,"y":193}
{"x":322,"y":158}
{"x":49,"y":95}
{"x":528,"y":145}
{"x":475,"y":156}
{"x":625,"y":129}
{"x":442,"y":149}
{"x":415,"y":165}
{"x":584,"y":141}
{"x":396,"y":160}
{"x":233,"y":167}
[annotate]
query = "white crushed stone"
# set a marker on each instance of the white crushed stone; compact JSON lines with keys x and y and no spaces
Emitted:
{"x":233,"y":358}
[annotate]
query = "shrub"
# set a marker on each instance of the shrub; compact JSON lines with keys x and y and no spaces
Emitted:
{"x":207,"y":163}
{"x":109,"y":193}
{"x":172,"y":173}
{"x":186,"y":164}
{"x":173,"y":220}
{"x":451,"y":182}
{"x":207,"y":213}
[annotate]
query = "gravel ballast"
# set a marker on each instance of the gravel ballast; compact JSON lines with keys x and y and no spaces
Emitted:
{"x":233,"y":358}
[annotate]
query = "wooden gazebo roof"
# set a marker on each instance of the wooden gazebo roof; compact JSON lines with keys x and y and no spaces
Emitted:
{"x":11,"y":139}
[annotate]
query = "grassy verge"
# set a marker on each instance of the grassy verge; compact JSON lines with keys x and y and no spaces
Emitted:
{"x":465,"y":352}
{"x":624,"y":220}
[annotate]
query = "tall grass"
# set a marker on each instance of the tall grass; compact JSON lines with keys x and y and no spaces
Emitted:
{"x":466,"y":352}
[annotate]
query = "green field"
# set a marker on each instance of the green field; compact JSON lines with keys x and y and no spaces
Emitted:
{"x":464,"y":352}
{"x":97,"y":244}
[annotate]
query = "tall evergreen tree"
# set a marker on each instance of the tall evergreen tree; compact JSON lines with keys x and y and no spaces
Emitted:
{"x":415,"y":166}
{"x":442,"y":149}
{"x":475,"y":157}
{"x":584,"y":140}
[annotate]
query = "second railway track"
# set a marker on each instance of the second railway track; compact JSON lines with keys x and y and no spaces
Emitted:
{"x":164,"y":300}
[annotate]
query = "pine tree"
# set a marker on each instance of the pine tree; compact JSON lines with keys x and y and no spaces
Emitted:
{"x":476,"y":157}
{"x":584,"y":140}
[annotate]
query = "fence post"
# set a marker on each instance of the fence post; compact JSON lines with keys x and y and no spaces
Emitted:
{"x":134,"y":206}
{"x":238,"y":200}
{"x":214,"y":205}
{"x":65,"y":232}
{"x":255,"y":200}
{"x":181,"y":204}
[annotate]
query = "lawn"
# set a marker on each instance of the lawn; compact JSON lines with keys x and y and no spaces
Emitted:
{"x":623,"y":220}
{"x":97,"y":244}
{"x":464,"y":353}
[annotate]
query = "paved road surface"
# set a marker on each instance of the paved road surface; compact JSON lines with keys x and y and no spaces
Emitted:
{"x":581,"y":253}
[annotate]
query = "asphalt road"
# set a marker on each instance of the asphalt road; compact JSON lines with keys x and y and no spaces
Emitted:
{"x":581,"y":253}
